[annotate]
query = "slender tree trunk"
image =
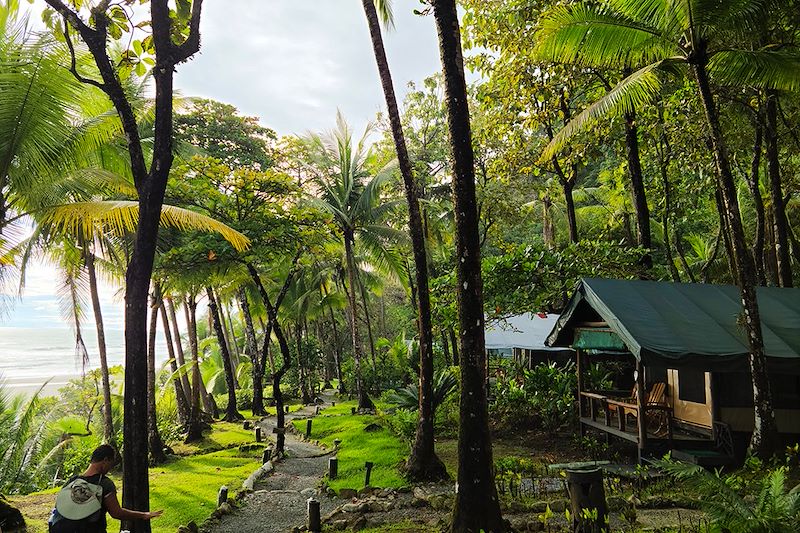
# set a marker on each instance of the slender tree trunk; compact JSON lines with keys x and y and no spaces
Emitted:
{"x":665,"y":222}
{"x":336,"y":353}
{"x":266,"y":353}
{"x":638,"y":193}
{"x":422,"y":464}
{"x":108,"y":422}
{"x":176,"y":333}
{"x":181,"y":399}
{"x":257,"y":362}
{"x":454,"y":346}
{"x":572,"y":220}
{"x":368,"y":320}
{"x":302,"y":364}
{"x":194,"y":430}
{"x":191,"y":319}
{"x":726,"y":235}
{"x":758,"y":203}
{"x":157,"y":455}
{"x":764,"y":442}
{"x":548,"y":228}
{"x":231,"y":413}
{"x":274,"y":325}
{"x":446,"y":348}
{"x":476,"y":506}
{"x":364,"y":401}
{"x":779,"y":221}
{"x":230,"y":339}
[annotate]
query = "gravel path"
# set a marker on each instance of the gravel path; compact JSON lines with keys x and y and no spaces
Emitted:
{"x":278,"y":503}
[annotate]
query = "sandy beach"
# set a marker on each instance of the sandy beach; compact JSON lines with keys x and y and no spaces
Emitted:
{"x":28,"y":386}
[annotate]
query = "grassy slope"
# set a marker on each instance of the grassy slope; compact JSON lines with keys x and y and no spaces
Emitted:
{"x":185,"y":487}
{"x":381,"y":447}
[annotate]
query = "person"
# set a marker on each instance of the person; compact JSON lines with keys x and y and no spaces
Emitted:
{"x":82,"y":504}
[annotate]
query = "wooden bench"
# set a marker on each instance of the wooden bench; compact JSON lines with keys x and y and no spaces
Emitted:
{"x":656,"y":400}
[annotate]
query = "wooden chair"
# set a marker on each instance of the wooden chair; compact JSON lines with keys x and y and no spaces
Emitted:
{"x":656,"y":397}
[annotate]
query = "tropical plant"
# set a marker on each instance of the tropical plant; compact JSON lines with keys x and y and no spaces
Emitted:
{"x":350,"y":193}
{"x":654,"y":39}
{"x":770,"y":509}
{"x":445,"y":383}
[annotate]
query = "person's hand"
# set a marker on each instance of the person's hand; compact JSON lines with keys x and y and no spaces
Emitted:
{"x":154,"y":514}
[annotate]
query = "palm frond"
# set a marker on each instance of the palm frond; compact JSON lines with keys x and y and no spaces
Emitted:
{"x":638,"y":89}
{"x":385,"y":12}
{"x":91,"y":219}
{"x":757,"y":68}
{"x":595,"y":36}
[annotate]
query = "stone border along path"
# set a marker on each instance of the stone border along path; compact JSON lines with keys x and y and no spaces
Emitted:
{"x":278,"y":501}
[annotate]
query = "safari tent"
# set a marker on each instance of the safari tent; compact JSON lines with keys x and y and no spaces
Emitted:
{"x":521,"y":337}
{"x":692,"y":389}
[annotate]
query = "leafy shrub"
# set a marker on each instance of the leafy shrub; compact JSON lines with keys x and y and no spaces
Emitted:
{"x":244,"y":399}
{"x":772,"y":509}
{"x":403,"y":423}
{"x":543,"y":396}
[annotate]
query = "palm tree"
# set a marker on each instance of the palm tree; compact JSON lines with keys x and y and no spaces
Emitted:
{"x":660,"y":38}
{"x":352,"y":196}
{"x":423,"y":463}
{"x":477,"y":506}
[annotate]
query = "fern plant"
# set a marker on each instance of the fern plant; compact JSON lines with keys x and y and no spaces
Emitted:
{"x":773,"y":510}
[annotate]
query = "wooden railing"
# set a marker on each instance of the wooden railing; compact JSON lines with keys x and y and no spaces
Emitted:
{"x":599,"y":401}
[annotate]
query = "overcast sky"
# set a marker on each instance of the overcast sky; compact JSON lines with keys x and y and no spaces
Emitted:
{"x":291,"y":63}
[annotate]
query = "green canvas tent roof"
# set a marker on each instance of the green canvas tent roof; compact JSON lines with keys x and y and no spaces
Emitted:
{"x":689,"y":323}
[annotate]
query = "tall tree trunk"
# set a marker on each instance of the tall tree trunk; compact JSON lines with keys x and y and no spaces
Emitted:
{"x":758,"y":202}
{"x":302,"y":364}
{"x":176,"y":335}
{"x":446,"y":348}
{"x":336,"y":353}
{"x":638,"y":193}
{"x":231,"y":413}
{"x":108,"y":422}
{"x":476,"y":506}
{"x":422,"y":464}
{"x":364,"y":401}
{"x":194,"y":430}
{"x":181,"y":399}
{"x":548,"y":228}
{"x":191,"y":319}
{"x":572,"y":220}
{"x":256,"y":361}
{"x":779,"y":220}
{"x":665,"y":222}
{"x":454,"y":346}
{"x":274,"y":325}
{"x":157,"y":455}
{"x":764,"y":442}
{"x":266,"y":353}
{"x":230,"y":339}
{"x":368,"y":320}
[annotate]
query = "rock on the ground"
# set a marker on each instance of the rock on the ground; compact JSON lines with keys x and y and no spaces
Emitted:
{"x":348,"y":494}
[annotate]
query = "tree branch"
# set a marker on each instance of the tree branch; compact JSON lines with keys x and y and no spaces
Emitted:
{"x":73,"y":61}
{"x":192,"y":44}
{"x":71,"y":16}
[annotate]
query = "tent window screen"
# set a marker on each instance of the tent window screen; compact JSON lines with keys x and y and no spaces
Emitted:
{"x":692,"y":385}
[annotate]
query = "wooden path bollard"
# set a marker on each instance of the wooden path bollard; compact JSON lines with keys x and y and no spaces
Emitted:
{"x":352,"y":410}
{"x":222,"y":497}
{"x":258,"y":434}
{"x":267,"y":455}
{"x":587,"y":501}
{"x":308,"y":428}
{"x":286,"y":408}
{"x":314,"y":520}
{"x":316,"y":411}
{"x":369,"y":466}
{"x":247,"y":424}
{"x":337,"y":443}
{"x":333,"y":467}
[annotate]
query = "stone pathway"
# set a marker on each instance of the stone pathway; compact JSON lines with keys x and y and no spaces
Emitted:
{"x":278,"y":502}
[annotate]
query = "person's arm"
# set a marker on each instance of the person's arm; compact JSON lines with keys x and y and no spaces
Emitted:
{"x":120,"y":513}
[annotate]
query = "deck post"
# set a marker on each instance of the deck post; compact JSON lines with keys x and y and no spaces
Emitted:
{"x":579,"y":370}
{"x":641,"y":401}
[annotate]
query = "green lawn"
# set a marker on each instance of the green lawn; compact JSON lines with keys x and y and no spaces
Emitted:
{"x":185,"y":487}
{"x":381,"y":447}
